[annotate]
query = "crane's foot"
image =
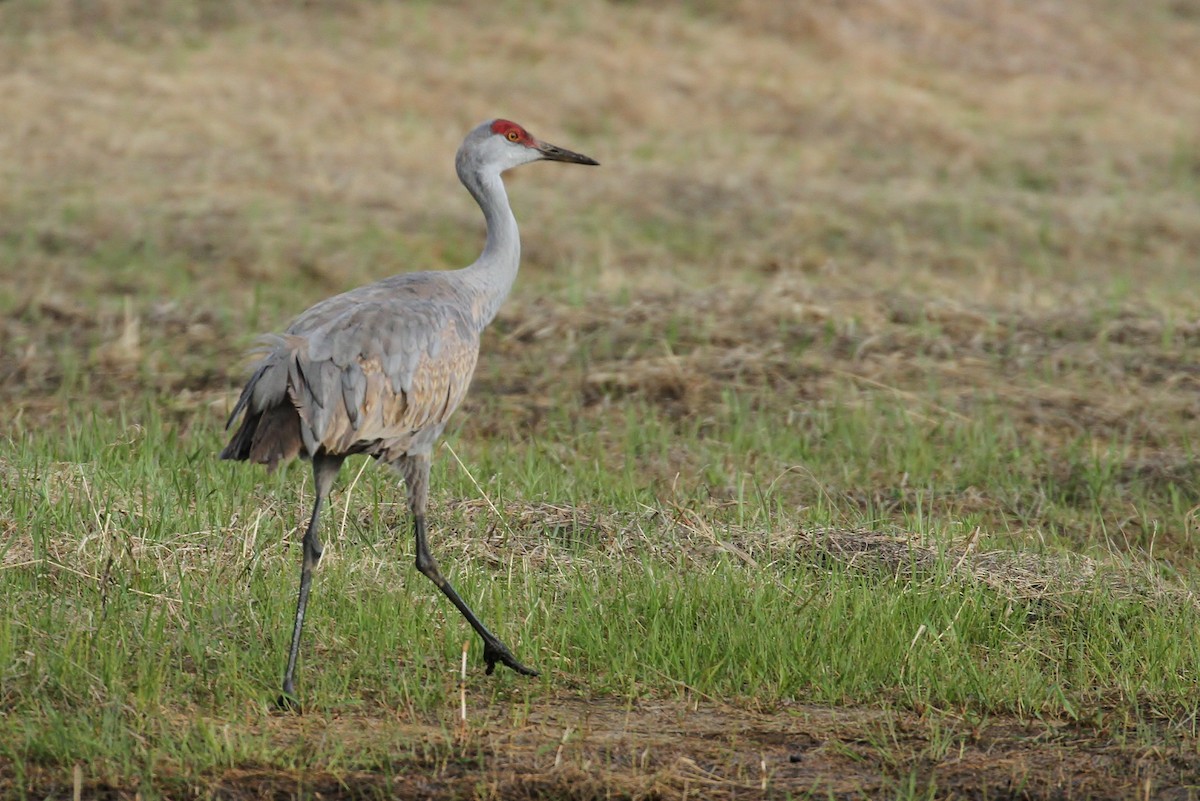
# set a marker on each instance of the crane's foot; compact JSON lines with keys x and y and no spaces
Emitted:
{"x":494,"y":652}
{"x":287,"y":704}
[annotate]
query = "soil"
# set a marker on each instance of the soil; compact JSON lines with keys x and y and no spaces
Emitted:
{"x":701,"y":749}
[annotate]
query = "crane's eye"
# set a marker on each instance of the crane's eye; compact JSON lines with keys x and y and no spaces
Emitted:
{"x":513,"y":136}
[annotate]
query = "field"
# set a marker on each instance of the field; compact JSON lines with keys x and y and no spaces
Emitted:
{"x":840,"y":439}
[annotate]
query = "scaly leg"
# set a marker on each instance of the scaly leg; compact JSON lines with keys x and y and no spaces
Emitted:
{"x":415,"y":470}
{"x":325,"y":470}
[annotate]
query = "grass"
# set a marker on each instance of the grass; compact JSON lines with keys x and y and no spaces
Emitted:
{"x":839,"y":437}
{"x":175,"y":574}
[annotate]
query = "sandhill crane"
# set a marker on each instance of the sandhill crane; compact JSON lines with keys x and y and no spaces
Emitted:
{"x":378,"y":370}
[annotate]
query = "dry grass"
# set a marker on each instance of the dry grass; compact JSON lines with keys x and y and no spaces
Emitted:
{"x":954,"y":140}
{"x":1119,"y":381}
{"x":689,"y":540}
{"x":948,"y":222}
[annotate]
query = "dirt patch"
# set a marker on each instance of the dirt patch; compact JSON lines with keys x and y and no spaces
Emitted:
{"x":691,"y":748}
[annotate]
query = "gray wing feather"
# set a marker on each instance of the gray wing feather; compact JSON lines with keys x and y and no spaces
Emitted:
{"x":376,"y":364}
{"x":307,"y":374}
{"x":354,"y":390}
{"x":272,"y":385}
{"x":399,"y":337}
{"x":244,"y":399}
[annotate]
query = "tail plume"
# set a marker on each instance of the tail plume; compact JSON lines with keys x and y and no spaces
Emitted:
{"x":268,"y":437}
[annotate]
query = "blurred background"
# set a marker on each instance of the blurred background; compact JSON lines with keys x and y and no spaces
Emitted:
{"x":962,"y":220}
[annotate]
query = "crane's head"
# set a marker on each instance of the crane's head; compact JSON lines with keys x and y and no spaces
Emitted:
{"x":501,"y":145}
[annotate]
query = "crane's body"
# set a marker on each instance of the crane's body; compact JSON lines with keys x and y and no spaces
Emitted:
{"x":379,"y":370}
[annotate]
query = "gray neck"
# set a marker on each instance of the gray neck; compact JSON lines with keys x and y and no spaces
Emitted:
{"x":492,"y":275}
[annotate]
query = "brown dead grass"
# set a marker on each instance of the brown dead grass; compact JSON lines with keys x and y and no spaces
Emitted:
{"x":1117,"y":376}
{"x":961,"y":139}
{"x":1053,"y":581}
{"x":1061,"y":372}
{"x":1074,"y":376}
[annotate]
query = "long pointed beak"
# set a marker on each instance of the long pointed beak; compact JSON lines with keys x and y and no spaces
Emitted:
{"x":554,"y":153}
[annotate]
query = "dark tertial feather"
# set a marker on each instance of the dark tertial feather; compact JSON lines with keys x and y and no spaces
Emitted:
{"x":276,"y":438}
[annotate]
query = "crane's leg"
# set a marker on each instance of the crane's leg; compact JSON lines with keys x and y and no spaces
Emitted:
{"x":415,"y":470}
{"x":325,"y":470}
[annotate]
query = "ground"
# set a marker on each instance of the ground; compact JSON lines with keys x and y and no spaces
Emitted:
{"x":703,"y":749}
{"x":838,"y":440}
